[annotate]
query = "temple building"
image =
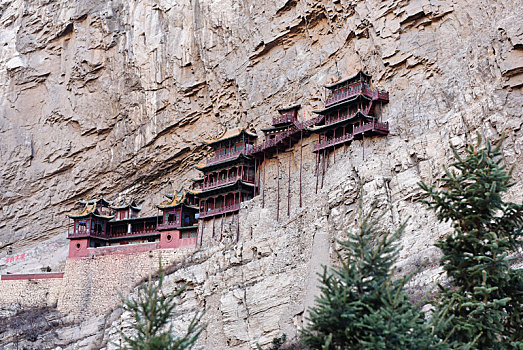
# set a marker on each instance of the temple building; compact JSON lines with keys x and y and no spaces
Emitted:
{"x":235,"y":173}
{"x":179,"y":212}
{"x":352,"y":110}
{"x":90,"y":224}
{"x":127,"y":227}
{"x":99,"y":225}
{"x":228,"y":176}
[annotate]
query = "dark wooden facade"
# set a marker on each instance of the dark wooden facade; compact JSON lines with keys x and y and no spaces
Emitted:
{"x":228,"y":177}
{"x":352,"y":111}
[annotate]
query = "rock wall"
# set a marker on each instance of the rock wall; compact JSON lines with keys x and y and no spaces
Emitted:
{"x":113,"y":97}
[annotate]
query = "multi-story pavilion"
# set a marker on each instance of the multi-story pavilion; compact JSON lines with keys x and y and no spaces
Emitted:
{"x":228,"y":176}
{"x":352,"y":110}
{"x":179,"y":212}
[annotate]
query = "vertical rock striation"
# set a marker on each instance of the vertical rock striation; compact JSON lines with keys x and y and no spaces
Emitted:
{"x":113,"y":97}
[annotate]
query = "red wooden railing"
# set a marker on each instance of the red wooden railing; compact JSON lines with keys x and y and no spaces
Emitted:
{"x":371,"y":126}
{"x":134,"y":233}
{"x":283,"y":119}
{"x":87,"y":234}
{"x":282,"y":138}
{"x":354,"y":90}
{"x":365,"y":111}
{"x":219,"y":159}
{"x":333,"y":142}
{"x":226,"y":181}
{"x":231,"y":155}
{"x":344,"y":93}
{"x":220,"y":210}
{"x":374,"y":125}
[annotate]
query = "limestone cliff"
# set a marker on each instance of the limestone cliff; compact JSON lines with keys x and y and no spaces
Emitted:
{"x":113,"y":97}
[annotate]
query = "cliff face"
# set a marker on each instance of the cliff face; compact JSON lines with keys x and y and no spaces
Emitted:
{"x":113,"y":97}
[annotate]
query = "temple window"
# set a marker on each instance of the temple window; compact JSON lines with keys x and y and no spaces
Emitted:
{"x":81,"y":226}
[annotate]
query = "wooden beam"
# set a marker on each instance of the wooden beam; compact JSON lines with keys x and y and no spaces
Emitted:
{"x":301,"y":151}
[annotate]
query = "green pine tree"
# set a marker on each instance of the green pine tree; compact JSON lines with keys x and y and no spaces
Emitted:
{"x":151,"y":311}
{"x":361,"y":306}
{"x":487,"y":294}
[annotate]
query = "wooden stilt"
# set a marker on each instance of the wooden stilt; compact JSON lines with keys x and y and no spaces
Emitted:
{"x":255,"y":168}
{"x":213,"y":220}
{"x":263,"y":188}
{"x":301,"y":151}
{"x":289,"y":179}
{"x":201,"y":234}
{"x":322,"y":169}
{"x":238,"y":227}
{"x":221,"y":230}
{"x":289,"y":189}
{"x":317,"y":168}
{"x":278,"y":178}
{"x":363,"y":144}
{"x":328,"y":158}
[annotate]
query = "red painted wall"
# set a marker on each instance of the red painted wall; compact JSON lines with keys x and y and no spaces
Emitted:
{"x":32,"y":276}
{"x":171,"y":239}
{"x":79,"y":248}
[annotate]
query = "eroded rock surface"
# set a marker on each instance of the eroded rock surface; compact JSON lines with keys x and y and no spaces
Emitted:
{"x":113,"y":97}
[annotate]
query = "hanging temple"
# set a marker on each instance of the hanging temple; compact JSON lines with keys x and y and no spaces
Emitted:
{"x":234,"y":174}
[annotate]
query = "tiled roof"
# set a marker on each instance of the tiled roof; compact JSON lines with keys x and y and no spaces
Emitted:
{"x":229,"y":134}
{"x":352,"y":78}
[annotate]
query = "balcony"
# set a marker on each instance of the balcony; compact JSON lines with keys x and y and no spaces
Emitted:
{"x":223,"y":182}
{"x":169,"y":225}
{"x":133,"y":234}
{"x":329,"y":121}
{"x":222,"y":158}
{"x":279,"y":138}
{"x":228,"y":156}
{"x":87,"y":234}
{"x":332,"y":142}
{"x":283,"y":119}
{"x":372,"y":126}
{"x":220,"y":210}
{"x":344,"y":94}
{"x":354,"y":90}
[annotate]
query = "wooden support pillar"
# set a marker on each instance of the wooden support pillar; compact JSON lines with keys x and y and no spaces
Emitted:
{"x":213,"y":220}
{"x":322,"y":169}
{"x":289,"y":180}
{"x":301,"y":151}
{"x":201,"y":234}
{"x":255,"y":169}
{"x":278,"y":178}
{"x":363,"y":144}
{"x":221,"y":231}
{"x":259,"y":175}
{"x":238,"y":227}
{"x":263,"y":189}
{"x":316,"y":169}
